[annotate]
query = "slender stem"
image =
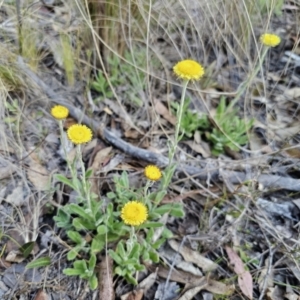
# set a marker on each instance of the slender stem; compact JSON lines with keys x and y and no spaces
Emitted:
{"x":170,"y":169}
{"x":70,"y":165}
{"x":245,"y":84}
{"x":86,"y":191}
{"x":179,"y":118}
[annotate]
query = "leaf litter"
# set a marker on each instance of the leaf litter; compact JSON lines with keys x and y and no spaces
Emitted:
{"x":203,"y":269}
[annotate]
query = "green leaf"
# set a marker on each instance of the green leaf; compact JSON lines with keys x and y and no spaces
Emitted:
{"x":151,"y":225}
{"x":167,"y":234}
{"x":93,"y":282}
{"x":27,"y":248}
{"x":72,"y":272}
{"x":80,"y":265}
{"x":120,"y":250}
{"x":120,"y":271}
{"x":102,"y":229}
{"x":98,"y":244}
{"x":158,"y":243}
{"x":161,"y":210}
{"x":75,"y":209}
{"x":131,"y":279}
{"x":135,"y":251}
{"x":39,"y":262}
{"x":65,"y":180}
{"x":92,"y":262}
{"x":73,"y":253}
{"x":146,"y":256}
{"x":115,"y":257}
{"x":81,"y":224}
{"x":177,"y":211}
{"x":111,"y":195}
{"x":88,"y":173}
{"x":124,"y":180}
{"x":154,"y":256}
{"x":159,"y":196}
{"x":76,"y":237}
{"x":62,"y":219}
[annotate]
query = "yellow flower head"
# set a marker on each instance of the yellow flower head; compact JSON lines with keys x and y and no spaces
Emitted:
{"x":270,"y":40}
{"x":134,"y":213}
{"x":189,"y":70}
{"x":79,"y":134}
{"x":59,"y":112}
{"x":152,"y":173}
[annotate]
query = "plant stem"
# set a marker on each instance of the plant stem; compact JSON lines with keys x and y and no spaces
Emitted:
{"x":179,"y":118}
{"x":171,"y":167}
{"x":246,"y":84}
{"x":86,"y":191}
{"x":70,"y":165}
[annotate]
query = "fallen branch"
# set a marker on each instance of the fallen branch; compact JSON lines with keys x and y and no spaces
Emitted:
{"x":268,"y":181}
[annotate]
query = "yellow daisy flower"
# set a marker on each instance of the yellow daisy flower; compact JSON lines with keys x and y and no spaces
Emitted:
{"x":189,"y":70}
{"x":270,"y":40}
{"x":79,"y":134}
{"x":152,"y":173}
{"x":134,"y":213}
{"x":59,"y":112}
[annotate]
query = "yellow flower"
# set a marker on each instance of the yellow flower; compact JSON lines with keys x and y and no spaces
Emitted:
{"x":270,"y":40}
{"x":79,"y":134}
{"x":134,"y":213}
{"x":152,"y":173}
{"x":59,"y":112}
{"x":189,"y":70}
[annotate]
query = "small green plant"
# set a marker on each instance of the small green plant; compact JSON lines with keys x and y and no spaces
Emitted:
{"x":125,"y":76}
{"x":266,"y":5}
{"x":191,"y":121}
{"x":126,"y":224}
{"x":231,"y":130}
{"x":105,"y":226}
{"x":108,"y":224}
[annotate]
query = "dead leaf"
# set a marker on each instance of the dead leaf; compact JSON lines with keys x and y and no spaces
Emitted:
{"x":119,"y":110}
{"x":265,"y":278}
{"x":188,"y":267}
{"x":106,"y":287}
{"x":14,"y":256}
{"x":101,"y":156}
{"x":164,"y":112}
{"x":133,"y":295}
{"x":148,"y":282}
{"x":181,"y":197}
{"x":176,"y":275}
{"x":219,"y":288}
{"x":42,"y":295}
{"x":244,"y":277}
{"x":192,"y":280}
{"x":274,"y":293}
{"x":4,"y":264}
{"x":202,"y":148}
{"x":189,"y":294}
{"x":141,"y":289}
{"x":291,"y":296}
{"x":38,"y":174}
{"x":133,"y":134}
{"x":6,"y":171}
{"x":192,"y":256}
{"x":107,"y":110}
{"x":16,"y":198}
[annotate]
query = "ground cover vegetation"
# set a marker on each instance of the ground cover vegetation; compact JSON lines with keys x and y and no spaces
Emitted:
{"x":149,"y":149}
